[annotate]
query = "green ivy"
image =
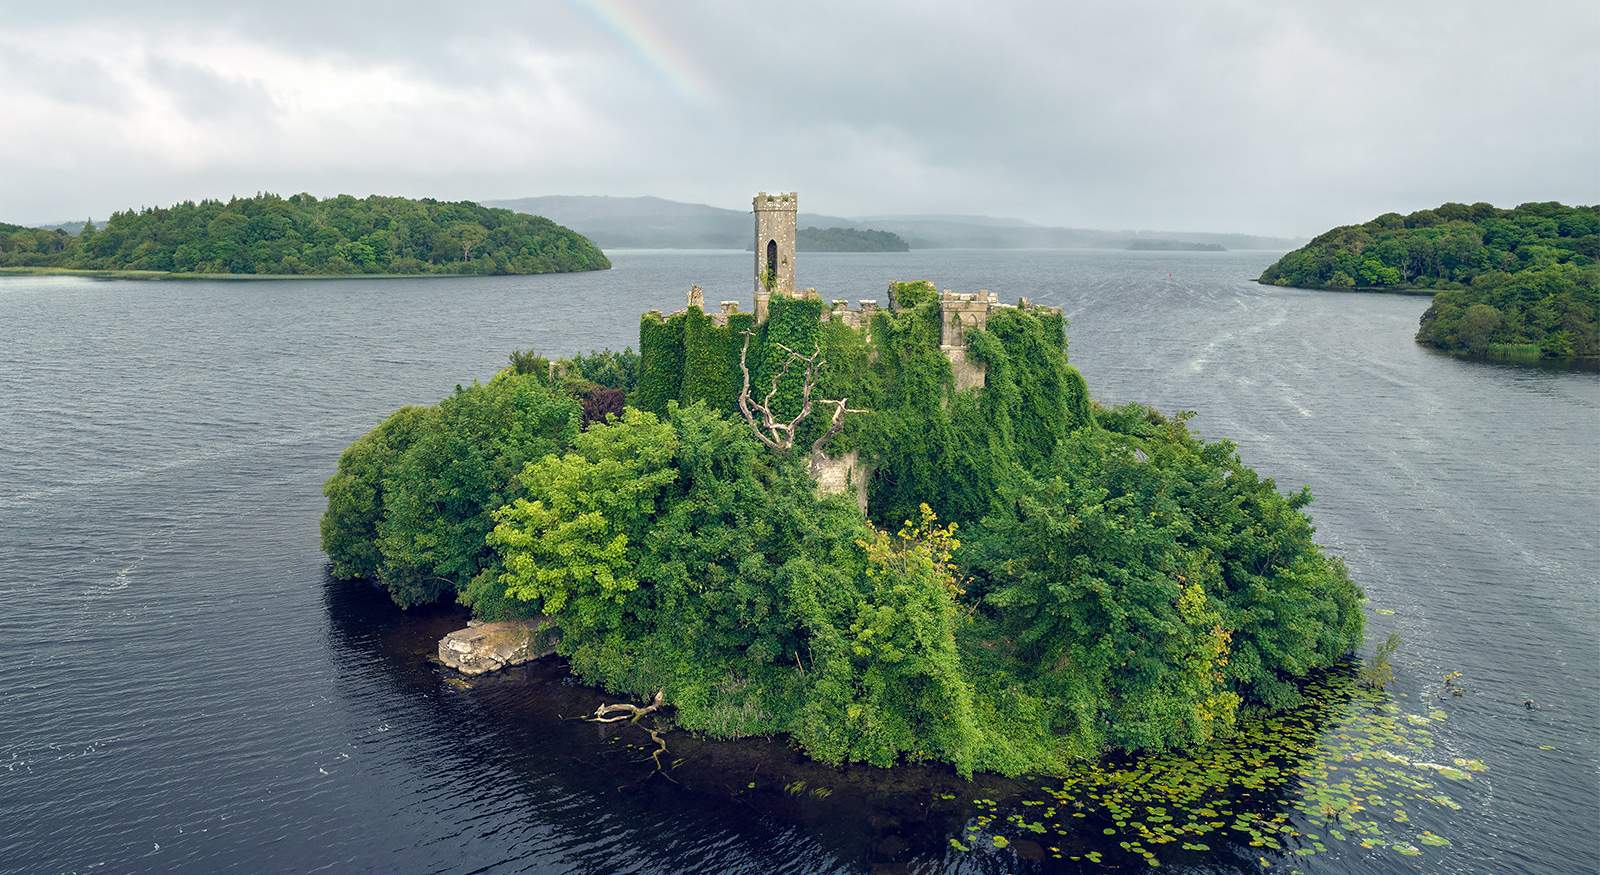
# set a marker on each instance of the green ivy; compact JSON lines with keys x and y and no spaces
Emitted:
{"x":661,"y":356}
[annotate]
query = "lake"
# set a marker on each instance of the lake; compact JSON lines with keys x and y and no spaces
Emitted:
{"x":186,"y":690}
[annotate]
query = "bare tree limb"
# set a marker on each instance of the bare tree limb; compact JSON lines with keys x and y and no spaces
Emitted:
{"x":624,"y":711}
{"x":778,"y":435}
{"x":633,"y":714}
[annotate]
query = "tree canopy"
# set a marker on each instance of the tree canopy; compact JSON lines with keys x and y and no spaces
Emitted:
{"x":1443,"y":248}
{"x":1546,"y":312}
{"x":268,"y":234}
{"x":1518,"y":283}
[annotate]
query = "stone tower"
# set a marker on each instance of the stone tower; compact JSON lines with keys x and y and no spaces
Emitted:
{"x":775,"y":230}
{"x":959,"y":314}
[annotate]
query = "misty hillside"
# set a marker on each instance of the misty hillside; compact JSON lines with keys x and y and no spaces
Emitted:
{"x":651,"y":222}
{"x":657,"y":223}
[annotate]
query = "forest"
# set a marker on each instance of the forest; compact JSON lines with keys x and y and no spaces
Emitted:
{"x":302,"y":235}
{"x":849,"y":240}
{"x":1522,"y":283}
{"x":1037,"y":579}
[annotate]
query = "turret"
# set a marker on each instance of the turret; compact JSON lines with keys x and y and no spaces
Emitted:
{"x":775,"y":232}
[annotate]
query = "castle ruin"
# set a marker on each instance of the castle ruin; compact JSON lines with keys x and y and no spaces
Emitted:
{"x":775,"y":231}
{"x":960,"y":314}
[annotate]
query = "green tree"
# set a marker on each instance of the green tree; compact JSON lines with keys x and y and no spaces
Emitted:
{"x":355,"y":492}
{"x":1478,"y":327}
{"x":440,"y":495}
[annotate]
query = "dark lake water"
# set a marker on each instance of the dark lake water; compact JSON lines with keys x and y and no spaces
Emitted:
{"x":185,"y":690}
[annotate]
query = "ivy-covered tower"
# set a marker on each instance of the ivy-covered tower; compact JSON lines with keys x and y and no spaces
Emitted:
{"x":775,"y":230}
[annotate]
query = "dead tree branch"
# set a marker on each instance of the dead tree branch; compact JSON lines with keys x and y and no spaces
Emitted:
{"x":633,"y":714}
{"x":780,"y":435}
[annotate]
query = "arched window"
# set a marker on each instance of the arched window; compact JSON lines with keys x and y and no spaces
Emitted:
{"x":772,"y":260}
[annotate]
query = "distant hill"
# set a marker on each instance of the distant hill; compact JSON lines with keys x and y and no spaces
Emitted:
{"x":652,"y":222}
{"x":301,"y":235}
{"x":983,"y":232}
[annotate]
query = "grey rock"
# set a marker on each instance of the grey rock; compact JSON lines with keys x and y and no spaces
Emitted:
{"x":486,"y":647}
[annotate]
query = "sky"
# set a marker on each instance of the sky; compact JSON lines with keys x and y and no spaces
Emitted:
{"x":1272,"y":117}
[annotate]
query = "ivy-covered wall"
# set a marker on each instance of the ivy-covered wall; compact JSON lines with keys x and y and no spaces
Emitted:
{"x":797,"y":324}
{"x":711,"y":359}
{"x":660,"y":361}
{"x":924,"y":441}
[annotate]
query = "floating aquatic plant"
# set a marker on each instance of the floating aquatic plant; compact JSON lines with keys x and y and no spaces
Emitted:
{"x":1346,"y":769}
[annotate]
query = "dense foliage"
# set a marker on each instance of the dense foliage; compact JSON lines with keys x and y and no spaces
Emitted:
{"x":849,"y":240}
{"x":1550,"y":312}
{"x":1519,"y":283}
{"x":33,"y":246}
{"x":1100,"y":579}
{"x":410,"y":503}
{"x":1444,"y":248}
{"x":600,"y":381}
{"x":268,"y":234}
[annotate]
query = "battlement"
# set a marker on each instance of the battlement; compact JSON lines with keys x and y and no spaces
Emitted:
{"x":783,"y":200}
{"x":860,"y":318}
{"x":960,"y":313}
{"x":697,"y":300}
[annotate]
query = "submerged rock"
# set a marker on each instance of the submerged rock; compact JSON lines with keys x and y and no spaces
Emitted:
{"x":486,"y":647}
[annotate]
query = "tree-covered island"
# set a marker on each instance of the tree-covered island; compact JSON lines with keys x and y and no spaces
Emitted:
{"x":1518,"y":284}
{"x":1149,"y":244}
{"x":301,"y":235}
{"x":1034,"y":579}
{"x":849,"y":240}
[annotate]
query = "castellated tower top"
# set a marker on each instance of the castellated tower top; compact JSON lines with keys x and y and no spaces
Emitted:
{"x":775,"y":233}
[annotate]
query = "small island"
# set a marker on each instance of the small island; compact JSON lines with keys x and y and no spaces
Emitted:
{"x":1518,"y":285}
{"x":300,"y":235}
{"x":894,"y":532}
{"x":850,"y":240}
{"x":1143,"y":244}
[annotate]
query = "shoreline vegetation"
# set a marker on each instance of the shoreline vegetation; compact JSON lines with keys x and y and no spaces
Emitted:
{"x":1519,"y":285}
{"x":1036,"y":581}
{"x":301,"y":236}
{"x":157,"y":275}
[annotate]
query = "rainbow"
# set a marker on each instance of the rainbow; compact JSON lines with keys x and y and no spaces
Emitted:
{"x":650,"y":46}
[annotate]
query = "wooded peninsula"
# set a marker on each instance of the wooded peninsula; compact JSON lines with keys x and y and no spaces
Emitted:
{"x":1520,"y":284}
{"x":301,"y":235}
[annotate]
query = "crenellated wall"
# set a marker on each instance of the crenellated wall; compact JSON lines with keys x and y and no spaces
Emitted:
{"x":960,"y":313}
{"x":693,"y":354}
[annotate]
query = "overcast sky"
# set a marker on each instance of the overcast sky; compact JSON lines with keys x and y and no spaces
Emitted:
{"x":1274,"y":117}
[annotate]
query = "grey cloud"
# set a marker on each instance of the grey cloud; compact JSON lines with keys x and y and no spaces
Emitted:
{"x":204,"y":95}
{"x":86,"y":83}
{"x":1259,"y":117}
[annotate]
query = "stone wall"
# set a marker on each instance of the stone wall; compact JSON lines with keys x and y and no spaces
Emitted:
{"x":844,"y":474}
{"x":959,"y":314}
